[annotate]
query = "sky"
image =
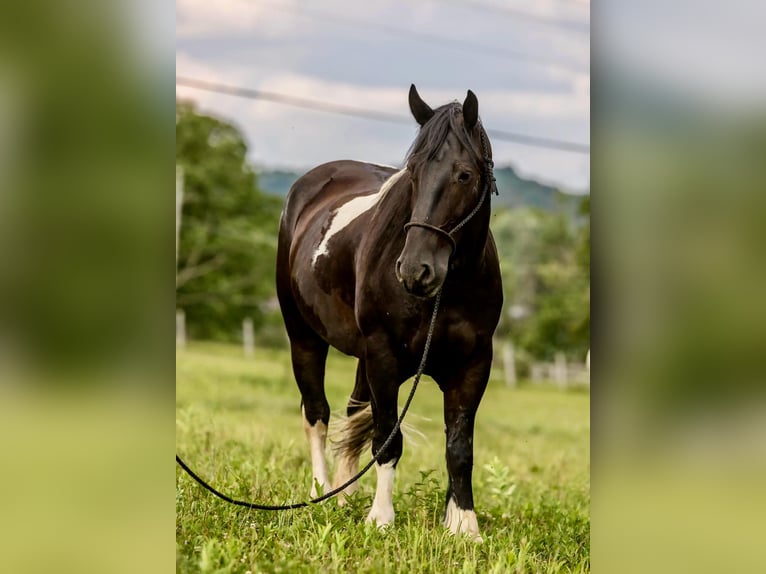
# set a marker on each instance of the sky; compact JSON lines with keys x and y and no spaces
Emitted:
{"x":527,"y":61}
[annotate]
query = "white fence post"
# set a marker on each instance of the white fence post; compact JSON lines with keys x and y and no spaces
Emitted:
{"x":509,"y":365}
{"x":560,"y":369}
{"x":180,"y":328}
{"x":248,"y":336}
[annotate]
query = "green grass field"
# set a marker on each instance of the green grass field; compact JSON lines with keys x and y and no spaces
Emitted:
{"x":238,"y":423}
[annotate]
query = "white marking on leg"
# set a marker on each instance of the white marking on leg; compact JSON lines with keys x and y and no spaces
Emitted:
{"x":382,"y":511}
{"x":350,"y":210}
{"x":317,"y":437}
{"x":348,"y":466}
{"x":461,"y":521}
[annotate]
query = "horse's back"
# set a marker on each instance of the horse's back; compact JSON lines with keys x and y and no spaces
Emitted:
{"x":330,"y":184}
{"x":315,"y":262}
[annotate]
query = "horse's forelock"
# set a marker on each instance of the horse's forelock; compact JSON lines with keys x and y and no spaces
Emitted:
{"x":432,"y":135}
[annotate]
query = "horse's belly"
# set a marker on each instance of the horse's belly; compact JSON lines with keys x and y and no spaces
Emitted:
{"x":324,"y":292}
{"x":323,"y":249}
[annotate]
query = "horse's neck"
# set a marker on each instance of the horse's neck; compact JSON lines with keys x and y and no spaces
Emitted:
{"x":396,"y":206}
{"x":472,"y":245}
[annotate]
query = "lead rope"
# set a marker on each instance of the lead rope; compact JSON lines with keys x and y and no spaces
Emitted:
{"x":358,"y":475}
{"x":490,"y":185}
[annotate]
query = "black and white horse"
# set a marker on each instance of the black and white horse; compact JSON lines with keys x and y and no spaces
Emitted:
{"x":353,"y":274}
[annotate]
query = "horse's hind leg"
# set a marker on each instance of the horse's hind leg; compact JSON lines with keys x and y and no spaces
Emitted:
{"x":354,"y":435}
{"x":309,"y":355}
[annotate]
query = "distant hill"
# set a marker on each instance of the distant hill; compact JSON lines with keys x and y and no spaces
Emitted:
{"x":515,"y":191}
{"x":276,"y":182}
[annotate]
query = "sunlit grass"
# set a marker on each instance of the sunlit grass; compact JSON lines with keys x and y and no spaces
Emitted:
{"x":239,"y":425}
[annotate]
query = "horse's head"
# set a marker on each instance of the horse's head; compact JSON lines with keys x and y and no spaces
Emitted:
{"x":449,"y":173}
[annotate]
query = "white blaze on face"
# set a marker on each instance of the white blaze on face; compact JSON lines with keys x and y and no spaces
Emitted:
{"x":461,"y":521}
{"x":317,"y":437}
{"x":350,"y":210}
{"x":382,"y":511}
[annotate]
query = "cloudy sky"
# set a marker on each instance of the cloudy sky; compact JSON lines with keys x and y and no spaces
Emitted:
{"x":527,"y":61}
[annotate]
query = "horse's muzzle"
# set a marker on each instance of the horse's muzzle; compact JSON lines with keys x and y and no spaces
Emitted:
{"x":418,"y":279}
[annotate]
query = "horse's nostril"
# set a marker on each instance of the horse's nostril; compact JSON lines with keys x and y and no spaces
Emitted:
{"x":426,"y":273}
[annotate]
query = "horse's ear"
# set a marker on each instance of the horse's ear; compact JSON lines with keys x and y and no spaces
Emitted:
{"x":421,"y":110}
{"x":470,"y":110}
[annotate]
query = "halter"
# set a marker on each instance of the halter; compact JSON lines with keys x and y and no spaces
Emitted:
{"x":491,"y":183}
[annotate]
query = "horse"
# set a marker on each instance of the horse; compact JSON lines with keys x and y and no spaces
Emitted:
{"x":363,"y":250}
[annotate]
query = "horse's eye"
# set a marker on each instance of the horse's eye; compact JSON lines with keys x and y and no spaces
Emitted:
{"x":464,"y":177}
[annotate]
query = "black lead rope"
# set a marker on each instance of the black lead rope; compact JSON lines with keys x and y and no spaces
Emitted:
{"x":490,"y":186}
{"x":358,"y":475}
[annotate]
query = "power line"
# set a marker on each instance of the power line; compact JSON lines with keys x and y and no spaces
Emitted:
{"x":351,"y":111}
{"x":295,"y":101}
{"x":575,"y":26}
{"x":426,"y":37}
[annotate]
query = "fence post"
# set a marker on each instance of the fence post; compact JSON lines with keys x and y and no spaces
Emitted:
{"x":248,"y":336}
{"x":560,"y":369}
{"x":180,"y":328}
{"x":509,"y":365}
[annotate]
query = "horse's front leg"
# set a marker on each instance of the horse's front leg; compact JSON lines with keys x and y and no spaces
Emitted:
{"x":463,"y":390}
{"x":383,"y":378}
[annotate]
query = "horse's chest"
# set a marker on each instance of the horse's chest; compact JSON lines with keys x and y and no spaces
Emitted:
{"x":458,"y":337}
{"x":454,"y":339}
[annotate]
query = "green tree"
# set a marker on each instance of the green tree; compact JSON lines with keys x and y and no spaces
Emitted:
{"x":582,"y":323}
{"x":227,"y":247}
{"x":544,"y":262}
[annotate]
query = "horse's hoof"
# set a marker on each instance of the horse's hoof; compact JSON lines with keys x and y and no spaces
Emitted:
{"x":381,"y":518}
{"x":460,"y":521}
{"x":470,"y":535}
{"x":477,"y":539}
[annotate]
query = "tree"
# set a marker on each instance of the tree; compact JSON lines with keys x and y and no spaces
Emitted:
{"x":227,"y":246}
{"x":544,"y":262}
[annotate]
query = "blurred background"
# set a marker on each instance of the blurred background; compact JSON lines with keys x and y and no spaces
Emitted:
{"x":679,"y":182}
{"x":266,"y":90}
{"x":87,"y":234}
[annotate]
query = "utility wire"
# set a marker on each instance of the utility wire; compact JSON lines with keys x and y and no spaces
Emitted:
{"x":579,"y":27}
{"x":368,"y":114}
{"x":426,"y":37}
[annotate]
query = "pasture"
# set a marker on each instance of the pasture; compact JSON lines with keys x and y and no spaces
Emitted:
{"x":238,"y":424}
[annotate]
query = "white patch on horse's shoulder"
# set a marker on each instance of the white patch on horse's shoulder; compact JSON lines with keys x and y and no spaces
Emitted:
{"x":461,"y":521}
{"x":382,"y":511}
{"x":385,"y":165}
{"x":349,"y":211}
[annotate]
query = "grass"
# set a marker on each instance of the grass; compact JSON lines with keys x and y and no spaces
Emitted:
{"x":238,"y":424}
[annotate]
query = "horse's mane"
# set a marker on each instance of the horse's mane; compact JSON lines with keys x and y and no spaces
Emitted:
{"x":433,"y":134}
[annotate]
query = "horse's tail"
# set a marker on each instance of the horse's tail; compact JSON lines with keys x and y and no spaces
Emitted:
{"x":353,"y":434}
